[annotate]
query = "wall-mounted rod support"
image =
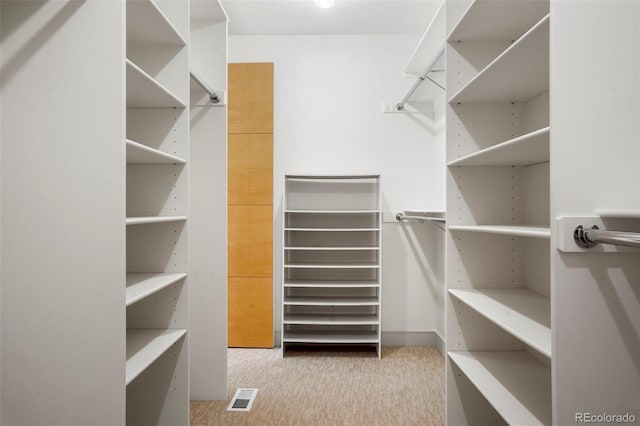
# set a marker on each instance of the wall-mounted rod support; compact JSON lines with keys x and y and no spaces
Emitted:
{"x":587,"y":238}
{"x":212,"y":95}
{"x":400,"y":105}
{"x":422,"y":219}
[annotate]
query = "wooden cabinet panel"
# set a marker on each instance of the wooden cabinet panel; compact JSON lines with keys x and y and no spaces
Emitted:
{"x":250,"y":241}
{"x":250,"y":98}
{"x":250,"y":312}
{"x":250,"y":169}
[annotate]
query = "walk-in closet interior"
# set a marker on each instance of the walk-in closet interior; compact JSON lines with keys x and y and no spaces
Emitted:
{"x":455,"y":175}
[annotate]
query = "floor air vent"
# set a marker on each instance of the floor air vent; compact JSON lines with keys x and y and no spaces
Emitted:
{"x":242,"y":400}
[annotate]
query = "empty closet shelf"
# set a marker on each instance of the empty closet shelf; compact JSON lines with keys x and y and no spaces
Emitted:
{"x":338,"y":337}
{"x":513,"y":382}
{"x":497,"y":20}
{"x":144,"y":346}
{"x":332,"y":265}
{"x":148,"y":25}
{"x":332,"y":211}
{"x":533,"y":231}
{"x":331,"y":284}
{"x":143,"y":91}
{"x":337,"y":248}
{"x":332,"y":301}
{"x":138,"y":153}
{"x":142,"y":220}
{"x":531,"y":148}
{"x":519,"y":74}
{"x":142,"y":285}
{"x":333,"y":229}
{"x":334,"y":319}
{"x":521,"y":312}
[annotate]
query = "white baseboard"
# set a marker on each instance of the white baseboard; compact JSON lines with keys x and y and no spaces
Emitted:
{"x":412,"y":338}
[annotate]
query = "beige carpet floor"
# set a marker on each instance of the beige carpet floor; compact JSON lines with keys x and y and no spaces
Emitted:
{"x":405,"y":387}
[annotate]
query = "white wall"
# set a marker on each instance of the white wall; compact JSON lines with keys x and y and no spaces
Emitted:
{"x":328,"y":119}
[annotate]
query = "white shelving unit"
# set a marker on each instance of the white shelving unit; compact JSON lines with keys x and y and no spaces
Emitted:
{"x":526,"y":150}
{"x":498,"y":203}
{"x":207,"y":202}
{"x":521,"y":312}
{"x":157,"y":191}
{"x":138,"y":153}
{"x":141,"y":286}
{"x":513,"y":382}
{"x":332,"y":260}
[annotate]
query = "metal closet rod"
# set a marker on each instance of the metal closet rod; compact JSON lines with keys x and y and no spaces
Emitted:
{"x":591,"y":237}
{"x":213,"y":96}
{"x":422,"y":219}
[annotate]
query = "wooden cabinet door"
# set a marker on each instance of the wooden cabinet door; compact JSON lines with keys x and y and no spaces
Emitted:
{"x":250,"y":205}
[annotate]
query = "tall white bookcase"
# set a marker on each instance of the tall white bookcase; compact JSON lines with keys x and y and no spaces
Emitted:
{"x":498,"y":245}
{"x":331,"y":290}
{"x":98,"y":263}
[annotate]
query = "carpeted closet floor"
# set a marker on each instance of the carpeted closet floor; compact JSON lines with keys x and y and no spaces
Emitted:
{"x":405,"y":387}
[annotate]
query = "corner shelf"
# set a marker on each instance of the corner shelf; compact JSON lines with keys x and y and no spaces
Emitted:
{"x":497,"y":21}
{"x":331,"y":211}
{"x":143,"y":91}
{"x":143,"y":220}
{"x":328,"y":265}
{"x":521,"y":312}
{"x":531,"y":148}
{"x":332,"y":301}
{"x":532,"y":231}
{"x":338,"y":337}
{"x":142,"y":285}
{"x":147,"y":24}
{"x":332,"y":229}
{"x":337,"y":248}
{"x":334,"y":319}
{"x":513,"y":382}
{"x":429,"y":51}
{"x":138,"y":153}
{"x":331,"y":284}
{"x":519,"y":74}
{"x":144,"y":346}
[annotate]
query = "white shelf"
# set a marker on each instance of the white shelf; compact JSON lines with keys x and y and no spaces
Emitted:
{"x":208,"y":11}
{"x":147,"y":24}
{"x":513,"y":382}
{"x":520,"y":312}
{"x":331,"y":284}
{"x":515,"y":231}
{"x":332,"y":301}
{"x":345,"y":337}
{"x":333,"y":229}
{"x":430,"y":48}
{"x":142,"y":285}
{"x":525,"y":150}
{"x":619,"y":213}
{"x":360,"y":248}
{"x":142,"y":220}
{"x":333,"y":266}
{"x":144,"y":346}
{"x":334,"y":319}
{"x":138,"y":153}
{"x":143,"y":91}
{"x":498,"y":20}
{"x":519,"y":74}
{"x":332,"y":211}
